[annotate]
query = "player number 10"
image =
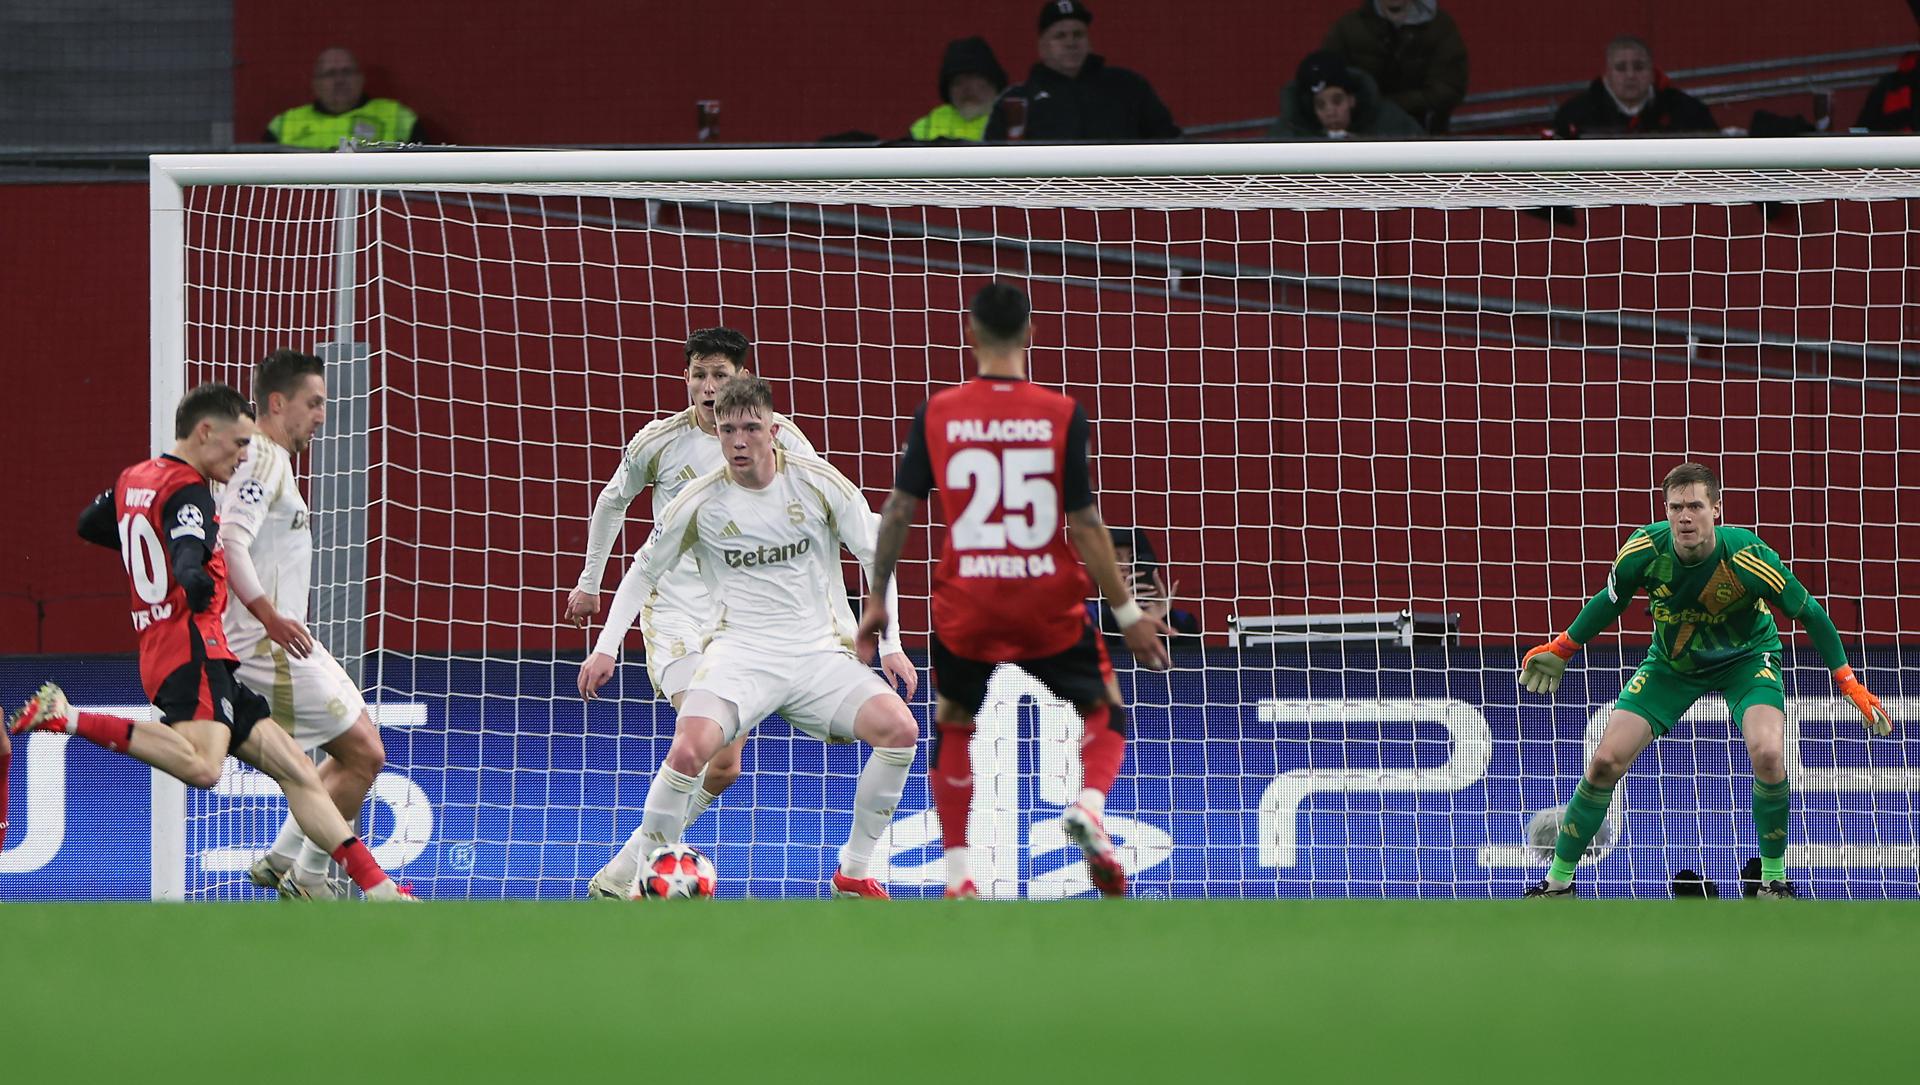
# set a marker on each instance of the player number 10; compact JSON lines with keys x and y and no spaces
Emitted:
{"x":140,"y":549}
{"x":1020,"y":480}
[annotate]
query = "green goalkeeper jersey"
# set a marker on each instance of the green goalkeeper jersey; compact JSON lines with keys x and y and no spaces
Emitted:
{"x":1714,"y":612}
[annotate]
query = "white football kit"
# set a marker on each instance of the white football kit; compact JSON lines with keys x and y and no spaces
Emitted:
{"x":667,"y":454}
{"x":262,"y":510}
{"x":781,"y":632}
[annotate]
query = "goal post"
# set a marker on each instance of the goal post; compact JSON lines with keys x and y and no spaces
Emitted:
{"x":1424,"y":388}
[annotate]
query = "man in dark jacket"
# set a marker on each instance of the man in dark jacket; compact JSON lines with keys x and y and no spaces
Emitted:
{"x":1891,"y":104}
{"x":1072,"y":93}
{"x":1328,"y":100}
{"x":1412,"y":49}
{"x":1631,"y":97}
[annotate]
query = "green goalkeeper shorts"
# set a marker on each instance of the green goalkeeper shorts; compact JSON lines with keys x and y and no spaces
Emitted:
{"x":1661,"y":695}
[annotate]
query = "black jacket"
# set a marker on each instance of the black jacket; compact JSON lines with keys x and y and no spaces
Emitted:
{"x":1890,"y":104}
{"x":1099,"y":103}
{"x":1592,"y":112}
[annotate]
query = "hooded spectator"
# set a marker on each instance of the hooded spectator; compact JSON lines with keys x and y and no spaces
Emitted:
{"x":1329,"y":100}
{"x":1413,"y":51}
{"x":970,"y":79}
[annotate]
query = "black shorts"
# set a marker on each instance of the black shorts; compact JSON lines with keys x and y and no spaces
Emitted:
{"x":1077,"y":676}
{"x":205,"y":689}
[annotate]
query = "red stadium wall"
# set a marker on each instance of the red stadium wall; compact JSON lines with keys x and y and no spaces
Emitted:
{"x":604,"y":72}
{"x":75,"y":366}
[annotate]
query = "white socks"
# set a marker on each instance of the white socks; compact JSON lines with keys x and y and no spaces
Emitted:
{"x":1094,"y":801}
{"x":874,"y":799}
{"x":292,"y":850}
{"x":701,"y":800}
{"x":668,"y":800}
{"x":956,"y":867}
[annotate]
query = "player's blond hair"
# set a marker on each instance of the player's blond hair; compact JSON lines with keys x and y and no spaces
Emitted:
{"x":745,"y":392}
{"x":1689,"y":473}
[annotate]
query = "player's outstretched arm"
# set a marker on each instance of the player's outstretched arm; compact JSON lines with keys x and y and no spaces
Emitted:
{"x":1544,"y":665}
{"x":896,"y":519}
{"x":609,"y":513}
{"x":97,"y":524}
{"x":669,"y":541}
{"x":1780,"y":587}
{"x":244,"y":502}
{"x":1142,"y":630}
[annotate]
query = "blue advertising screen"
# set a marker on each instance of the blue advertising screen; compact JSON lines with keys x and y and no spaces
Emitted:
{"x":1338,"y":772}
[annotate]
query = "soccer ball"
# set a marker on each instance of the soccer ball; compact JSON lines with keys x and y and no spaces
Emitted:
{"x":674,"y":872}
{"x":1544,"y":828}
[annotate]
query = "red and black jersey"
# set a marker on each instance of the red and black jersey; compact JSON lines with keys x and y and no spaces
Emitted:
{"x":1010,"y":461}
{"x":156,"y":504}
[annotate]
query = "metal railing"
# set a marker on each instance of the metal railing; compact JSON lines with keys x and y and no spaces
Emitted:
{"x":1545,"y":97}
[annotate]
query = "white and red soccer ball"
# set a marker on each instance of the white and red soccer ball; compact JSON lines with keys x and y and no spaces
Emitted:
{"x":675,"y":872}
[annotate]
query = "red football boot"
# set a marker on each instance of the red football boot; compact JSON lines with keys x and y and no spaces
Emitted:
{"x":46,"y":710}
{"x":845,"y":888}
{"x":1103,"y":864}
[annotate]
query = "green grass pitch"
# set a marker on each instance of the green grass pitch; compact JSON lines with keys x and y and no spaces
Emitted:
{"x":768,"y":991}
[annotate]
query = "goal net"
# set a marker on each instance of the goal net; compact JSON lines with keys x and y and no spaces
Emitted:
{"x":1380,"y":415}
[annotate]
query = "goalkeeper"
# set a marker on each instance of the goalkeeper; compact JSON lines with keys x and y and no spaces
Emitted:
{"x":1712,"y":593}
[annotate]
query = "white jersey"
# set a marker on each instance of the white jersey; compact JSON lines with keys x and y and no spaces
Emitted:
{"x":770,"y":558}
{"x":262,"y":503}
{"x":667,"y":454}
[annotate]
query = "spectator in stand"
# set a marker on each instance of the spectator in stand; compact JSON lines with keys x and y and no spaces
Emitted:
{"x":1072,"y":93}
{"x":1328,"y":100}
{"x":1133,"y":551}
{"x":1412,"y":50}
{"x":1631,"y":98}
{"x":1890,"y":104}
{"x":970,"y":79}
{"x":341,"y":110}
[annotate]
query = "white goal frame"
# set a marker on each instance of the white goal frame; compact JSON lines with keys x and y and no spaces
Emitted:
{"x":1439,"y":174}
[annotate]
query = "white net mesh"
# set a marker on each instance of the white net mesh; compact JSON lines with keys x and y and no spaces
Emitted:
{"x":1318,"y":396}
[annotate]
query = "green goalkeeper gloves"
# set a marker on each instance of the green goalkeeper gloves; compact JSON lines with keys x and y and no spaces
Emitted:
{"x":1543,"y":667}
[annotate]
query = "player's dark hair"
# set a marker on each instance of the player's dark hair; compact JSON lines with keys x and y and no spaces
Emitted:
{"x":744,"y":392}
{"x":1689,"y":473}
{"x":283,"y":371}
{"x":1001,"y":313}
{"x":210,"y":400}
{"x":726,"y":342}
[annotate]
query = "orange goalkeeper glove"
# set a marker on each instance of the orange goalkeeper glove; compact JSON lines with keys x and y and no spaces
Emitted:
{"x":1872,"y":715}
{"x":1542,"y":667}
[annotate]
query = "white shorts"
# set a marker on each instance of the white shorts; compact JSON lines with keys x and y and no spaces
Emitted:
{"x":671,"y":639}
{"x":818,"y":692}
{"x":312,"y":698}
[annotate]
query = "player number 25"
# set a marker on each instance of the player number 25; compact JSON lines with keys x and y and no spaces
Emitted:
{"x":1020,"y":480}
{"x":140,"y":549}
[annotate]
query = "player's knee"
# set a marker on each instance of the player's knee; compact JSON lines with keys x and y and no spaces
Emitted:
{"x":363,"y":755}
{"x":1606,"y":767}
{"x":1769,"y":762}
{"x":204,"y":775}
{"x":683,"y":759}
{"x":888,"y":725}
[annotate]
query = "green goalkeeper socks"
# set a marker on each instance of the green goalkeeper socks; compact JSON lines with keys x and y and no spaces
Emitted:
{"x":1770,"y":807}
{"x":1585,"y":812}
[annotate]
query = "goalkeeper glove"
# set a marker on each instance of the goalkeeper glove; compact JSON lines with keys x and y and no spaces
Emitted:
{"x":1542,"y":667}
{"x":1872,"y":715}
